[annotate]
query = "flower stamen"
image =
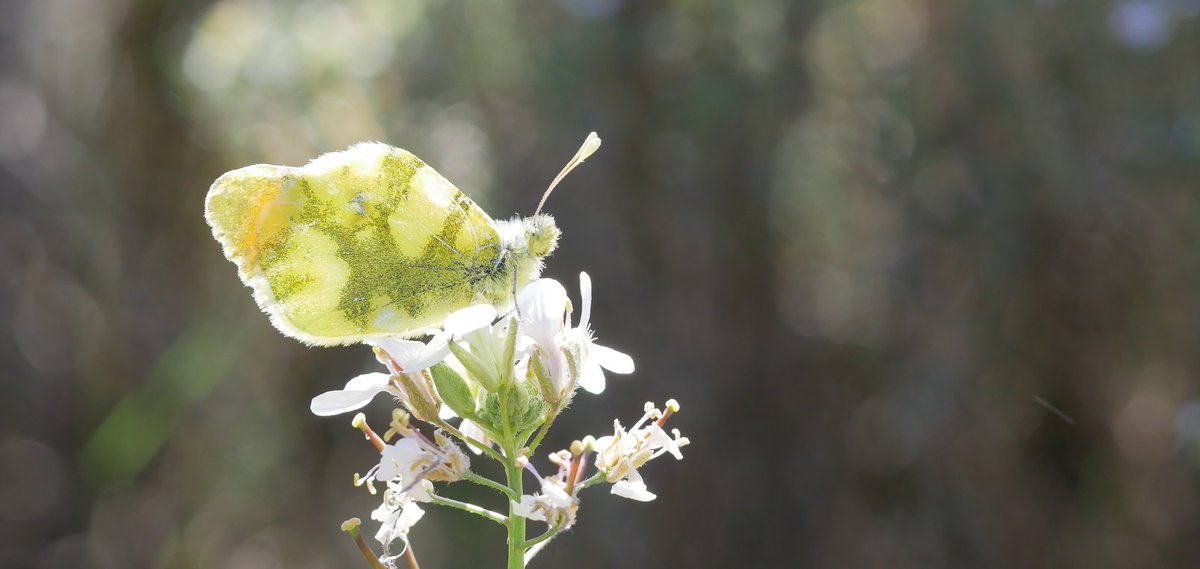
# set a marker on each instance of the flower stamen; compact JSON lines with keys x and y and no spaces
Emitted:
{"x":360,"y":423}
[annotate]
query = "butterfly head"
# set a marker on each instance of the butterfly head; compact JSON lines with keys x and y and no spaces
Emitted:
{"x":541,"y":234}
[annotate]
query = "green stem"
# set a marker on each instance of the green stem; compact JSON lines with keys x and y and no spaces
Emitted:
{"x":594,"y":480}
{"x":488,"y":482}
{"x":542,"y":432}
{"x":516,"y":524}
{"x":464,"y":438}
{"x":481,"y":512}
{"x":530,"y":544}
{"x":538,"y":547}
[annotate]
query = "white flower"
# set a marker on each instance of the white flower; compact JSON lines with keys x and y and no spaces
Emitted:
{"x":556,"y":504}
{"x":553,"y":501}
{"x":469,"y":319}
{"x":621,"y":454}
{"x":591,"y":377}
{"x":414,"y":460}
{"x":633,"y":487}
{"x":545,"y":318}
{"x":401,"y":464}
{"x":397,"y":514}
{"x":483,"y":352}
{"x":402,"y":357}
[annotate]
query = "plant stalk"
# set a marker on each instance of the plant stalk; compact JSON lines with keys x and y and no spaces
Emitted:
{"x":516,"y":524}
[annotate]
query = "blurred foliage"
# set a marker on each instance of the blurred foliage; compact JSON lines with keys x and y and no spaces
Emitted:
{"x":924,"y":274}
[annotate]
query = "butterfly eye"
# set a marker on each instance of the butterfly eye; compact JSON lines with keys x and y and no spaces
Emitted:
{"x":541,"y":234}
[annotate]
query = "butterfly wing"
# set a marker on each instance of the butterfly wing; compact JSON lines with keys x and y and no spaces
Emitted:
{"x":361,"y":243}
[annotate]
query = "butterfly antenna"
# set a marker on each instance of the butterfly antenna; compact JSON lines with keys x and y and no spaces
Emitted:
{"x":590,"y":145}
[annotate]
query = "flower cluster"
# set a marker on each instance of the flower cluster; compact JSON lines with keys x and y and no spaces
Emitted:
{"x":621,"y":454}
{"x":503,"y":376}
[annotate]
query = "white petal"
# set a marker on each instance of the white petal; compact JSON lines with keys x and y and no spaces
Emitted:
{"x":397,"y":460}
{"x":403,"y":351}
{"x":397,"y":523}
{"x":603,"y":443}
{"x":368,"y":381}
{"x":555,"y":495}
{"x":409,"y":516}
{"x":611,"y":359}
{"x":543,"y":305}
{"x":524,"y":508}
{"x":421,"y":491}
{"x":436,"y":351}
{"x":591,"y":378}
{"x":633,"y":488}
{"x":585,"y":296}
{"x":525,"y":345}
{"x":469,"y":319}
{"x":660,"y":439}
{"x":344,"y":400}
{"x":411,"y":355}
{"x":556,"y":364}
{"x":472,"y":431}
{"x":383,"y":513}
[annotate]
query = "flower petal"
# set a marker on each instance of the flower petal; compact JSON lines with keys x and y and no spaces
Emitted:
{"x":543,"y":305}
{"x":660,"y":439}
{"x":360,"y":391}
{"x":368,"y":381}
{"x":413,"y":356}
{"x":611,"y":359}
{"x":396,"y":523}
{"x":468,"y":319}
{"x":397,"y":460}
{"x":524,"y":508}
{"x":585,"y":296}
{"x":400,"y":350}
{"x":633,"y":488}
{"x":591,"y":377}
{"x":471,"y":430}
{"x":436,"y":351}
{"x":555,"y":495}
{"x":603,"y":443}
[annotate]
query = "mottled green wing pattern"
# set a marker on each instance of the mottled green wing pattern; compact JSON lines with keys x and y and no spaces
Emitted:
{"x":362,"y":243}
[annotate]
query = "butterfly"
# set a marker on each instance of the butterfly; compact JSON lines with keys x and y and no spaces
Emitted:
{"x":371,"y":242}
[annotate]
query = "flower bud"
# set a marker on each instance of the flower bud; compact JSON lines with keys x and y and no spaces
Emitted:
{"x":419,"y":395}
{"x":476,"y":368}
{"x":453,"y":389}
{"x":541,"y":376}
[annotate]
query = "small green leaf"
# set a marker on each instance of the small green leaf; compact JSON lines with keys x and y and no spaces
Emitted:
{"x":454,"y":389}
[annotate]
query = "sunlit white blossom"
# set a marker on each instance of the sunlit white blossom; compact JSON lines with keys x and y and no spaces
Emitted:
{"x":399,"y":356}
{"x":402,"y":357}
{"x":397,"y":515}
{"x":552,"y":500}
{"x":414,"y":459}
{"x":621,"y":454}
{"x":596,"y":358}
{"x":556,"y":504}
{"x":483,"y":351}
{"x":570,"y":356}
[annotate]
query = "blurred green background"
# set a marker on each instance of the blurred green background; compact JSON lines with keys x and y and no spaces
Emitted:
{"x":924,"y":274}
